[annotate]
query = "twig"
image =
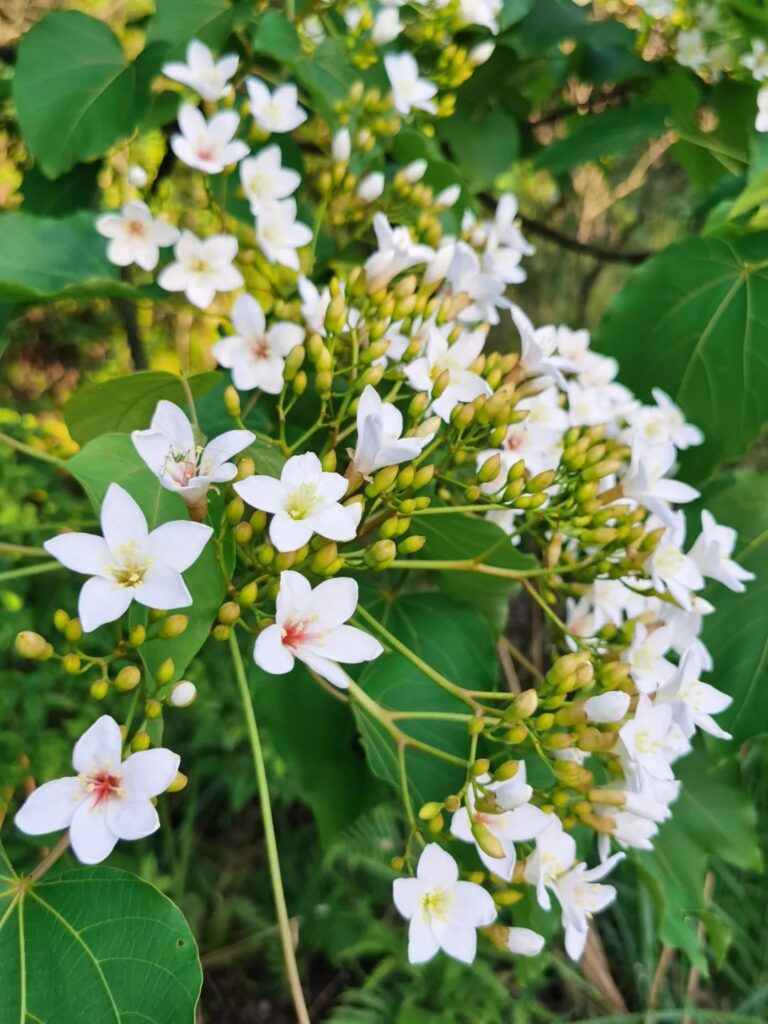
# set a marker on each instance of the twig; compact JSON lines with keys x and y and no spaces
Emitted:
{"x":508,"y":667}
{"x":127,"y":313}
{"x":598,"y":252}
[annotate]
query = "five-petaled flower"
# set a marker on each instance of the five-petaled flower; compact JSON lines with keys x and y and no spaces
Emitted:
{"x":444,"y":912}
{"x":208,"y":146}
{"x":109,"y":799}
{"x":379,"y":441}
{"x":182,"y":465}
{"x":275,"y":112}
{"x":208,"y":77}
{"x":305,"y":500}
{"x":129,"y":563}
{"x":203,"y":267}
{"x":311,"y":625}
{"x":135,"y":236}
{"x":255,"y":354}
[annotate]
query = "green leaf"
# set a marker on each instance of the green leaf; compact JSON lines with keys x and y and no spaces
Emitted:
{"x":755,"y":194}
{"x":276,"y":36}
{"x":94,"y":944}
{"x":127,"y":403}
{"x":315,"y":737}
{"x":600,"y":135}
{"x":42,"y":259}
{"x":484,"y":145}
{"x":690,"y":321}
{"x":75,"y":190}
{"x":75,"y":92}
{"x":513,"y":11}
{"x":713,"y":817}
{"x":455,"y":641}
{"x":177,"y":23}
{"x":111,"y":458}
{"x":736,"y":631}
{"x":457,"y":537}
{"x":327,"y":76}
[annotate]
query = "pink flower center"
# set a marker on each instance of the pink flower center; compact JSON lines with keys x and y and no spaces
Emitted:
{"x":261,"y":348}
{"x":294,"y":634}
{"x":205,"y":152}
{"x":136,"y":228}
{"x":103,"y":786}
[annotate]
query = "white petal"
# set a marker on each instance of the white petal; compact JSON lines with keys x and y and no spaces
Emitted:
{"x":171,"y":420}
{"x":437,"y":866}
{"x":472,"y":905}
{"x":407,"y":894}
{"x":323,"y":667}
{"x":91,"y":837}
{"x":422,"y":944}
{"x":163,"y":587}
{"x":122,"y":521}
{"x":178,"y":544}
{"x":460,"y":943}
{"x":289,"y":534}
{"x":337,"y":522}
{"x":99,"y":749}
{"x":334,"y":601}
{"x":347,"y":644}
{"x":102,"y":601}
{"x":132,"y":819}
{"x":223,"y":448}
{"x":50,"y":807}
{"x":81,"y":552}
{"x":262,"y":492}
{"x":294,"y":594}
{"x":270,"y":654}
{"x":149,"y":773}
{"x":524,"y":942}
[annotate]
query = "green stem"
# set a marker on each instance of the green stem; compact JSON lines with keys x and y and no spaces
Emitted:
{"x":283,"y":921}
{"x":442,"y":510}
{"x":33,"y":453}
{"x":22,"y":551}
{"x":29,"y":570}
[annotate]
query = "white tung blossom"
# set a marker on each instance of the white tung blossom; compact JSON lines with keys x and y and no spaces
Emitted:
{"x":135,"y":236}
{"x":109,"y":799}
{"x":208,"y":77}
{"x":265,"y":180}
{"x":129,"y":563}
{"x":409,"y":91}
{"x":379,"y":440}
{"x":279,"y":234}
{"x":203,"y":267}
{"x":275,"y":112}
{"x":256,"y":354}
{"x":439,"y":357}
{"x":208,"y":146}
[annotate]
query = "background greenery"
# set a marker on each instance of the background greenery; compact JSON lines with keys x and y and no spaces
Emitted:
{"x":645,"y":189}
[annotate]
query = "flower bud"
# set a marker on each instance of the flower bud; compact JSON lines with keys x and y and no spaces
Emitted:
{"x":380,"y":554}
{"x":336,"y":315}
{"x":73,"y":631}
{"x":341,"y":146}
{"x":293,"y":361}
{"x":418,"y":404}
{"x":411,"y":544}
{"x":258,"y":521}
{"x":128,"y":678}
{"x":507,"y":770}
{"x":165,"y":671}
{"x":137,"y":635}
{"x":323,"y":383}
{"x":480,"y":766}
{"x":60,"y":619}
{"x":284,"y":560}
{"x":179,"y":783}
{"x":424,"y":475}
{"x":229,"y":612}
{"x":486,"y":840}
{"x":245,"y":467}
{"x":32,"y":645}
{"x":541,"y":481}
{"x":71,"y":664}
{"x":430,"y":810}
{"x":173,"y":626}
{"x":372,"y":375}
{"x":153,"y":709}
{"x":607,"y":708}
{"x":183,"y":694}
{"x":523,"y":706}
{"x":248,"y":594}
{"x":382,"y":481}
{"x":435,"y":825}
{"x":323,"y":558}
{"x":243,"y":533}
{"x":405,"y":478}
{"x":371,"y":187}
{"x":328,"y":461}
{"x":99,"y":689}
{"x":232,"y":402}
{"x":441,"y":383}
{"x":141,"y":741}
{"x":517,"y":734}
{"x":415,"y":171}
{"x":300,"y":382}
{"x":221,"y":633}
{"x":235,"y":510}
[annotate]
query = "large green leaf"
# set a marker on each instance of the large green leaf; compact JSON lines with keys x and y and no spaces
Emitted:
{"x":455,"y":641}
{"x":713,"y":817}
{"x":691,"y":321}
{"x":42,"y":259}
{"x":736,"y":633}
{"x":75,"y":92}
{"x":94,"y":944}
{"x":484,"y":145}
{"x":127,"y":403}
{"x":73,"y":191}
{"x":590,"y":138}
{"x":276,"y":36}
{"x":457,"y":537}
{"x":111,"y":458}
{"x":176,"y":23}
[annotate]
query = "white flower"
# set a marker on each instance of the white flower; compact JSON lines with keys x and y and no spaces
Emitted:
{"x":276,"y":111}
{"x":539,"y":447}
{"x":463,"y":384}
{"x":645,"y":657}
{"x":396,"y":252}
{"x":341,"y":146}
{"x":379,"y":440}
{"x":554,"y":854}
{"x":448,"y":197}
{"x":761,"y":118}
{"x":208,"y":78}
{"x":712,"y":552}
{"x":692,"y":49}
{"x":693,"y":701}
{"x":265,"y":180}
{"x":485,"y":290}
{"x":310,"y":625}
{"x":371,"y":187}
{"x":646,"y":479}
{"x":305,"y":500}
{"x":208,"y":146}
{"x":663,"y":423}
{"x":524,"y":942}
{"x":481,"y":12}
{"x":129,"y":563}
{"x":581,"y":897}
{"x":686,"y":626}
{"x":135,"y":236}
{"x":181,"y":465}
{"x":409,"y":92}
{"x":415,"y":171}
{"x":757,"y":60}
{"x":538,"y":353}
{"x":314,"y":304}
{"x":657,"y":8}
{"x":386,"y":27}
{"x":279,"y":234}
{"x":137,"y":176}
{"x":443,"y":912}
{"x":109,"y":799}
{"x":516,"y":820}
{"x":183,"y":694}
{"x":607,"y":707}
{"x":255,"y":355}
{"x":651,"y":740}
{"x":670,"y":568}
{"x":203,"y":267}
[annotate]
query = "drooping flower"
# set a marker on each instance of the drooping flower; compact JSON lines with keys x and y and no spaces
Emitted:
{"x":311,"y":625}
{"x":712,"y":554}
{"x":379,"y":440}
{"x":652,"y":740}
{"x":279,"y":234}
{"x":607,"y":707}
{"x":646,"y":657}
{"x":181,"y":465}
{"x":265,"y":180}
{"x":581,"y":897}
{"x":444,"y":912}
{"x":203,"y":267}
{"x":135,"y":236}
{"x":275,"y":112}
{"x":555,"y":854}
{"x":305,"y":500}
{"x":396,"y":252}
{"x":409,"y":91}
{"x":208,"y":78}
{"x":208,"y":146}
{"x":439,"y":357}
{"x":255,"y":355}
{"x":129,"y":563}
{"x":109,"y":799}
{"x":693,"y":701}
{"x":646,"y":480}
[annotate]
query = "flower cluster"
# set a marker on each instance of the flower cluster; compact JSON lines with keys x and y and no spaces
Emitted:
{"x":387,"y":404}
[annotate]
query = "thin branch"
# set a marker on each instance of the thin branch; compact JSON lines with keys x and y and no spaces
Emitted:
{"x":127,"y":313}
{"x":598,"y":252}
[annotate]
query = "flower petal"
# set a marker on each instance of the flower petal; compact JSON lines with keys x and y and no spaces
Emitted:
{"x":163,"y":587}
{"x":50,"y":807}
{"x":422,"y":944}
{"x":122,"y":521}
{"x":289,"y":534}
{"x":148,"y":773}
{"x":91,"y":837}
{"x":178,"y":544}
{"x":81,"y":552}
{"x":102,"y":601}
{"x":437,"y":866}
{"x":99,"y":749}
{"x":270,"y":654}
{"x":345,"y":643}
{"x":132,"y":819}
{"x":262,"y":492}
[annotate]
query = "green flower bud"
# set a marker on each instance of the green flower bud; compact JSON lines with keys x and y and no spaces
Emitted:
{"x":179,"y":783}
{"x":336,"y":315}
{"x":229,"y":612}
{"x":424,"y":475}
{"x":405,"y":478}
{"x":323,"y":383}
{"x":32,"y":645}
{"x":165,"y":671}
{"x":60,"y":620}
{"x":232,"y":402}
{"x":442,"y":382}
{"x":373,"y":375}
{"x":293,"y":361}
{"x":324,"y":557}
{"x":71,"y":664}
{"x":486,"y":840}
{"x":462,"y":415}
{"x":388,"y":528}
{"x":73,"y":631}
{"x":541,"y":481}
{"x":137,"y":635}
{"x":153,"y":709}
{"x":141,"y":741}
{"x":99,"y":689}
{"x":428,"y":811}
{"x":221,"y":633}
{"x":490,"y":469}
{"x":480,"y":767}
{"x":258,"y":522}
{"x":328,"y":461}
{"x":284,"y":560}
{"x":381,"y":553}
{"x":505,"y":771}
{"x":300,"y":382}
{"x":173,"y":626}
{"x":235,"y":510}
{"x":243,"y":533}
{"x":411,"y":544}
{"x":248,"y":594}
{"x":435,"y":825}
{"x":128,"y":678}
{"x":523,"y":706}
{"x":418,"y":404}
{"x":382,"y":481}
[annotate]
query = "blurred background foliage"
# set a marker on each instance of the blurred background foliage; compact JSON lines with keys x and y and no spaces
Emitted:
{"x":613,"y":156}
